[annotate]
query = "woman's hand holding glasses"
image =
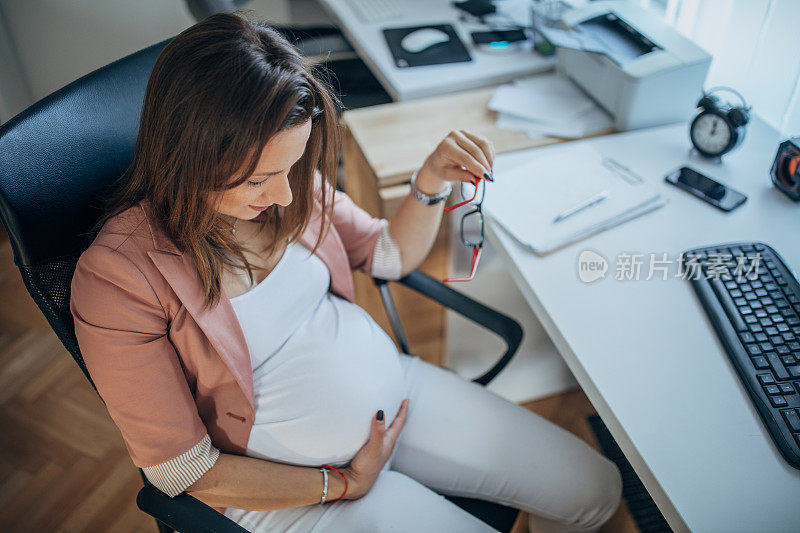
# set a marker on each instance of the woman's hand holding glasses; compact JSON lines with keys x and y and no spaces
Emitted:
{"x":467,"y":158}
{"x":462,"y":156}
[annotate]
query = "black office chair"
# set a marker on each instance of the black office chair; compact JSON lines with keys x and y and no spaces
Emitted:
{"x":57,"y":158}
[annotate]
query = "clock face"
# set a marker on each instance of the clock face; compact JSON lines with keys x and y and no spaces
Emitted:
{"x":711,"y":133}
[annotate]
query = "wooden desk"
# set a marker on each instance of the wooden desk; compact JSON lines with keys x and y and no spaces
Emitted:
{"x":383,"y":145}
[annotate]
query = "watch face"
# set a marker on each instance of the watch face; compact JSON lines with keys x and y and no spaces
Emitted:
{"x":711,"y":133}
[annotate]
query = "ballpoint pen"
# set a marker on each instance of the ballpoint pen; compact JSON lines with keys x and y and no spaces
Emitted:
{"x":589,"y":202}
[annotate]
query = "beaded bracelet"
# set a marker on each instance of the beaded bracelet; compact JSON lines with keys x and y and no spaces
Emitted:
{"x":345,"y":483}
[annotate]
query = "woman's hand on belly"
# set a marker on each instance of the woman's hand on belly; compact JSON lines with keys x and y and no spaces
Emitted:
{"x":364,"y":468}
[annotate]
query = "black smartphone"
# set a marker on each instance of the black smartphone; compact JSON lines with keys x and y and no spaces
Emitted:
{"x":707,"y":189}
{"x":498,"y":38}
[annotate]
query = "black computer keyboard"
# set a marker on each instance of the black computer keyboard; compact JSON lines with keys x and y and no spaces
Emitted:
{"x":753,"y":300}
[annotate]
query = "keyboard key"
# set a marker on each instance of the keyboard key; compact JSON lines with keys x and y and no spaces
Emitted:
{"x":778,"y":401}
{"x":782,"y":350}
{"x":777,"y":366}
{"x":772,"y":390}
{"x":794,"y":372}
{"x":754,"y":349}
{"x":789,"y":360}
{"x":766,"y":379}
{"x":786,"y":388}
{"x":749,"y":337}
{"x":792,"y":419}
{"x":760,"y":362}
{"x":794,"y":347}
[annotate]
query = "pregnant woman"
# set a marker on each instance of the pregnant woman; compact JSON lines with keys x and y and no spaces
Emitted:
{"x":215,"y":313}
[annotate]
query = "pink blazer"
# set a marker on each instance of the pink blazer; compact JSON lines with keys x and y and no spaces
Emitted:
{"x":169,"y":370}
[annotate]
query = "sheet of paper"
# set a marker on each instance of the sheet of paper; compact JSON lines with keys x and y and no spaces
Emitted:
{"x":525,"y":199}
{"x":546,"y":98}
{"x":593,"y":121}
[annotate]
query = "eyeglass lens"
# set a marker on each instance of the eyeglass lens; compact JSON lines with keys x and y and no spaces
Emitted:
{"x":472,"y":228}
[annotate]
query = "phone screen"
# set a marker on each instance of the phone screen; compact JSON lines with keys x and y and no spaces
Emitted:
{"x":706,"y":188}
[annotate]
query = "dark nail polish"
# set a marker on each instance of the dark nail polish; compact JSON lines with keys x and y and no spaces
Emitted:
{"x":380,"y":415}
{"x":488,"y":176}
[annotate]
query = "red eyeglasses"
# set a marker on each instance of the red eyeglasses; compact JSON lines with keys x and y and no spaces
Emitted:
{"x":471,"y":222}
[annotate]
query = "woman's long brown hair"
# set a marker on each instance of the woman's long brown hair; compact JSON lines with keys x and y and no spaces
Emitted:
{"x":219,"y":91}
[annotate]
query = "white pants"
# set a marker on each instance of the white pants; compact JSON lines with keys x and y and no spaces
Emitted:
{"x":464,"y":440}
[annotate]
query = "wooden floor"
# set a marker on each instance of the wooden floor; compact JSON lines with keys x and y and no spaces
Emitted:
{"x":63,"y":465}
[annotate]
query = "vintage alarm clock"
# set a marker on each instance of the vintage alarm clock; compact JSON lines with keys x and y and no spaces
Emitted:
{"x":786,"y":168}
{"x":719,"y":126}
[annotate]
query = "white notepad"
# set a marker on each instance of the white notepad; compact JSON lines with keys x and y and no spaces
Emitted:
{"x":527,"y":198}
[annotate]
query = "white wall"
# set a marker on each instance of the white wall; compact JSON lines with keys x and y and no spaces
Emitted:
{"x":754,"y":44}
{"x":15,"y":95}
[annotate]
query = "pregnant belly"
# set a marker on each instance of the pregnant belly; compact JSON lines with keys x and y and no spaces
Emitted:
{"x":316,"y":397}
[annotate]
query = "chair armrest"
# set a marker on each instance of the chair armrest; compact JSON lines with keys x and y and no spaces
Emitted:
{"x":504,"y":326}
{"x":184,"y":512}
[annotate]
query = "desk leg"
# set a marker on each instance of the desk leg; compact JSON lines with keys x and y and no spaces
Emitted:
{"x":423,"y":319}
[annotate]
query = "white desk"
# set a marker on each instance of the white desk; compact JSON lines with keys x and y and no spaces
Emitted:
{"x":646,"y":354}
{"x":486,"y":68}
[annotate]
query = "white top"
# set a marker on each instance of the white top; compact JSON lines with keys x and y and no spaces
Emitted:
{"x":321,"y":366}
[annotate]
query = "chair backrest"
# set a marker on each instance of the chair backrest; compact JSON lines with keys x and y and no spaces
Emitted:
{"x":57,"y":158}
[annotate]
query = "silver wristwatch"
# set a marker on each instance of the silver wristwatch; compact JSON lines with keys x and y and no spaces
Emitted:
{"x":426,"y":198}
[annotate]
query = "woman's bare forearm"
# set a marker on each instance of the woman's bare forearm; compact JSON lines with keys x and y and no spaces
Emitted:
{"x":259,"y":485}
{"x":414,"y":227}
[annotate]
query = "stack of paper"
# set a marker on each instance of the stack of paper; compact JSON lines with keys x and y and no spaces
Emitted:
{"x":526,"y":199}
{"x":548,"y":105}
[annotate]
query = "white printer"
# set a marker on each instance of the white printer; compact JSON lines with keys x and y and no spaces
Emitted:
{"x":637,"y":67}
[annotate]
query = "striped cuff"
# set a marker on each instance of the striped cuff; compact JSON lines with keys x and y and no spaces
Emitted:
{"x":174,"y":476}
{"x":386,"y":261}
